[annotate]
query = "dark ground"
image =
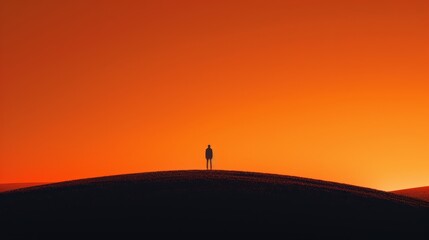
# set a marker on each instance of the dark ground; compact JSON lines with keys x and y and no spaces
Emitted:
{"x":214,"y":201}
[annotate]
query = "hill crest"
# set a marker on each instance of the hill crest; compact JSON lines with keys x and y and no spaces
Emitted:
{"x":197,"y":200}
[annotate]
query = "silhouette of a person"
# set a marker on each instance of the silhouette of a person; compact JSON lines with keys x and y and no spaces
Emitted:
{"x":209,"y":156}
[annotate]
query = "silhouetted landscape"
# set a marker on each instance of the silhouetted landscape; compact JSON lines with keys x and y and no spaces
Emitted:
{"x":12,"y":186}
{"x":212,"y":201}
{"x":420,"y":193}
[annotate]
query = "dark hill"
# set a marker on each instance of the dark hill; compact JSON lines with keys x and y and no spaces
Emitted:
{"x":12,"y":186}
{"x":213,"y":201}
{"x":420,"y":193}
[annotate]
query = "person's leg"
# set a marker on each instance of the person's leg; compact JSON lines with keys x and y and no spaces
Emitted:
{"x":210,"y":164}
{"x":207,"y":164}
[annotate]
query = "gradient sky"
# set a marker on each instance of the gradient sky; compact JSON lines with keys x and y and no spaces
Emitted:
{"x":333,"y":90}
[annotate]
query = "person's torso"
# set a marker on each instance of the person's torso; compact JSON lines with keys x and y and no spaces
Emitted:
{"x":209,"y":153}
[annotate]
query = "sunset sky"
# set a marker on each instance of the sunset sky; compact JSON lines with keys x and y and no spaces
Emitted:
{"x":332,"y":90}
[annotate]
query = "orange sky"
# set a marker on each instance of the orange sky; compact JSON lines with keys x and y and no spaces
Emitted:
{"x":333,"y":90}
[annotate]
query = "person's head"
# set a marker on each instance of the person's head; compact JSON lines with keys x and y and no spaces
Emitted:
{"x":209,"y":145}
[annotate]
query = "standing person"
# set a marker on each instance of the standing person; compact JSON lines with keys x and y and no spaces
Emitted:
{"x":209,"y":156}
